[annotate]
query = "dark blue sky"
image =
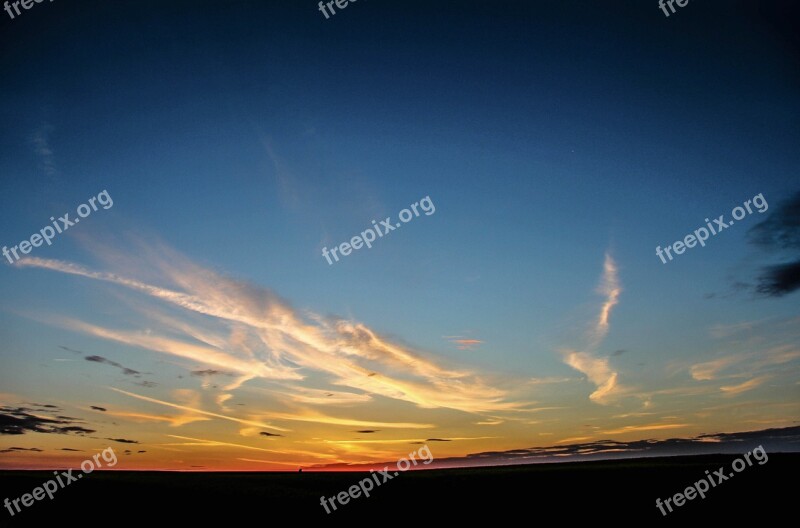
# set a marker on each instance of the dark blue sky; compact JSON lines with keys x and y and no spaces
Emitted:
{"x":248,"y":136}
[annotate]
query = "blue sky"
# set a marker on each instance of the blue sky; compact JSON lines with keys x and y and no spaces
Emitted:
{"x":247,"y":136}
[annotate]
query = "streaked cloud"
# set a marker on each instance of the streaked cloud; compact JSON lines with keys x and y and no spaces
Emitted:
{"x":610,"y":288}
{"x":200,"y":442}
{"x":645,"y":427}
{"x":303,"y":395}
{"x":282,"y":343}
{"x":708,"y":370}
{"x":41,"y":144}
{"x":598,"y":369}
{"x":733,"y":390}
{"x":125,"y":370}
{"x":748,"y":363}
{"x":464,"y":343}
{"x":315,"y":417}
{"x":549,"y":380}
{"x":173,"y":420}
{"x":199,"y":411}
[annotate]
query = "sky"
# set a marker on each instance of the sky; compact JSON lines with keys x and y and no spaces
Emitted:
{"x":550,"y":147}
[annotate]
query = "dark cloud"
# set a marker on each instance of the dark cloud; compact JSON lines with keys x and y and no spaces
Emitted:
{"x":12,"y":449}
{"x":264,"y":433}
{"x":781,"y":230}
{"x":96,"y":408}
{"x":785,"y":440}
{"x":70,"y":449}
{"x":148,"y":384}
{"x":77,"y":429}
{"x":776,"y":281}
{"x":141,"y":451}
{"x":125,"y":370}
{"x":618,"y":352}
{"x":210,"y":372}
{"x":70,"y":349}
{"x":779,"y":236}
{"x":123,"y":440}
{"x":438,"y":440}
{"x":21,"y":420}
{"x":367,"y":431}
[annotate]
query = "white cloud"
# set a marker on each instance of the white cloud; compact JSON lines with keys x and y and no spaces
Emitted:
{"x":598,"y":369}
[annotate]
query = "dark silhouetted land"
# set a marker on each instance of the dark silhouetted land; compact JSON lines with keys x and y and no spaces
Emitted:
{"x":616,"y":490}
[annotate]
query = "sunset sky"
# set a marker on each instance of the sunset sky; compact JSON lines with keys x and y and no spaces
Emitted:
{"x":196,"y":324}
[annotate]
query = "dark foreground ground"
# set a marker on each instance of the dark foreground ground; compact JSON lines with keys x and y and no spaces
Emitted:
{"x":621,"y":490}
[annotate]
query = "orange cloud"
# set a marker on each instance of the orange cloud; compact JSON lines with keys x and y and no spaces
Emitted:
{"x":646,"y":427}
{"x":463,"y":343}
{"x":199,"y":411}
{"x":253,"y":332}
{"x":733,"y":390}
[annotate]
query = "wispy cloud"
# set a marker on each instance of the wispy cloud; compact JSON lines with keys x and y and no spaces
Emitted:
{"x":708,"y":370}
{"x":645,"y":427}
{"x":407,"y":440}
{"x":199,"y":411}
{"x":174,"y":421}
{"x":464,"y":343}
{"x":719,"y":331}
{"x":259,"y":461}
{"x":549,"y":380}
{"x":747,"y":363}
{"x":200,"y":442}
{"x":610,"y":288}
{"x":315,"y":417}
{"x":303,"y":395}
{"x":274,"y":340}
{"x":41,"y":144}
{"x":574,"y":439}
{"x":125,"y":370}
{"x":733,"y":390}
{"x":598,"y":369}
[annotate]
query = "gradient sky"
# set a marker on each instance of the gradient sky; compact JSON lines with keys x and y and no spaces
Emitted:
{"x":560,"y":143}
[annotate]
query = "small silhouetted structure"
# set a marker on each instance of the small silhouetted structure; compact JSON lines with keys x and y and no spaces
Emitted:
{"x":300,"y":470}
